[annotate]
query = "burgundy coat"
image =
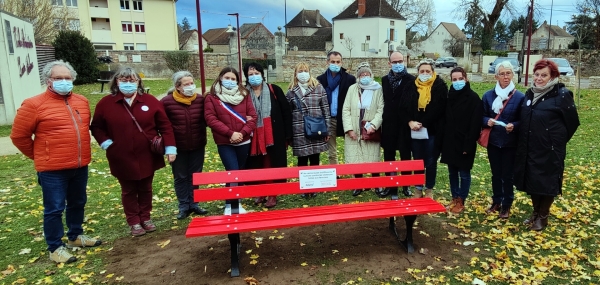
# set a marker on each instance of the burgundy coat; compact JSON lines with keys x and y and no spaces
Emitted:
{"x":188,"y":122}
{"x":223,"y":124}
{"x":129,"y":157}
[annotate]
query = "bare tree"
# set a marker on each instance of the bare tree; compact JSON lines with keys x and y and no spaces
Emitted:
{"x":417,"y":13}
{"x":348,"y":43}
{"x":47,"y":19}
{"x":454,"y":46}
{"x":592,"y":9}
{"x":489,"y":18}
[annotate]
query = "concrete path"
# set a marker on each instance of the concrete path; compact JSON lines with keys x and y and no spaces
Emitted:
{"x":7,"y":147}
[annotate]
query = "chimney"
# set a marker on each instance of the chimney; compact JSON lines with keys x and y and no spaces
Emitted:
{"x":318,"y":20}
{"x":361,"y":8}
{"x":429,"y":27}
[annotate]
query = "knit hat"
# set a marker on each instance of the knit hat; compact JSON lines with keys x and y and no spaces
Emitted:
{"x":363,"y":67}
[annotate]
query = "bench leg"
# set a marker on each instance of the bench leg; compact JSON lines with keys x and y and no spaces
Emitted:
{"x":234,"y":243}
{"x":102,"y":87}
{"x":393,"y":227}
{"x":408,"y":240}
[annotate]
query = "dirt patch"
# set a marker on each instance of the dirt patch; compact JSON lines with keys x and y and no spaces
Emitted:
{"x":333,"y":253}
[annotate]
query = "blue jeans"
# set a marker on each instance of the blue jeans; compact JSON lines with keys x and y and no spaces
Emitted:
{"x":185,"y":165}
{"x":426,"y":150}
{"x":502,"y":161}
{"x":462,"y":190}
{"x":234,"y":156}
{"x":63,"y":190}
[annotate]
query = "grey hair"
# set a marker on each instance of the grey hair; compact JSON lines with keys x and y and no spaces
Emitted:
{"x":125,"y":72}
{"x":47,"y":71}
{"x":505,"y":64}
{"x":177,"y":76}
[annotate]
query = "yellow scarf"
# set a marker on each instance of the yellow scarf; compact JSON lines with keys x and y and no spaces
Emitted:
{"x":183,"y":99}
{"x":424,"y":89}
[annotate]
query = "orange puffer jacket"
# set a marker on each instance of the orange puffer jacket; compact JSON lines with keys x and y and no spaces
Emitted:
{"x":61,"y":128}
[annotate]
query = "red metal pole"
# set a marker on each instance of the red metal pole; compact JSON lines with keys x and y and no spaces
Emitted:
{"x":200,"y":49}
{"x":237,"y":18}
{"x":529,"y":42}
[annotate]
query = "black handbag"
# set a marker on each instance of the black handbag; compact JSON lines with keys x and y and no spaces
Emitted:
{"x":314,"y":127}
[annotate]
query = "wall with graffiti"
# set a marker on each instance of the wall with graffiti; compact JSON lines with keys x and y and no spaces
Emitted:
{"x":19,"y":77}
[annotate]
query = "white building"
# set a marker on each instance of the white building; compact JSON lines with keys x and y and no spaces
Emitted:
{"x":368,"y":28}
{"x":19,"y":71}
{"x":442,"y":34}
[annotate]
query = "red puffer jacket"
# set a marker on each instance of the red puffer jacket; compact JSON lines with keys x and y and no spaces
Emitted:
{"x":61,"y":128}
{"x":189,"y":126}
{"x":223,"y":124}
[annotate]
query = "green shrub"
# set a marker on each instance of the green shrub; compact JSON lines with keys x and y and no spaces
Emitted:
{"x":178,"y":60}
{"x":208,"y":49}
{"x":75,"y":48}
{"x":499,"y":53}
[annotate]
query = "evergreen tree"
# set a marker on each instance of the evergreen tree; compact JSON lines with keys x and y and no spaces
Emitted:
{"x":75,"y":48}
{"x":501,"y":34}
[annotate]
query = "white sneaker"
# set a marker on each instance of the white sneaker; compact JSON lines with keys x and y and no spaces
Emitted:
{"x":227,"y":211}
{"x":62,"y":255}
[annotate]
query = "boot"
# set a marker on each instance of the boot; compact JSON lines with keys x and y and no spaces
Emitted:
{"x":451,"y":205}
{"x":458,"y":206}
{"x":541,"y":222}
{"x":535,"y":203}
{"x":271,"y":202}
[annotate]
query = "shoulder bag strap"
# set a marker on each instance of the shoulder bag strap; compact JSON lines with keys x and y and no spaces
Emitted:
{"x":134,"y":120}
{"x":505,"y":102}
{"x":299,"y":104}
{"x":272,"y":91}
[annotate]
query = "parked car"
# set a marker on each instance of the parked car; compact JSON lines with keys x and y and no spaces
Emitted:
{"x":563,"y":66}
{"x":446,"y":62}
{"x":515,"y":63}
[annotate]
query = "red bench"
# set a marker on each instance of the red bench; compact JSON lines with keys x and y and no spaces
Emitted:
{"x":236,"y":223}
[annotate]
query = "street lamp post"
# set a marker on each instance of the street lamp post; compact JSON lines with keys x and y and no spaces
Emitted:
{"x":200,"y":48}
{"x":237,"y":18}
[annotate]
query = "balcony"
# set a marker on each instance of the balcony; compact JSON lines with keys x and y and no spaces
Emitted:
{"x":101,"y":36}
{"x":98,"y":12}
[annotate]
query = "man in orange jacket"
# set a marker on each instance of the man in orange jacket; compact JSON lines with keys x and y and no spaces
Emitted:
{"x":59,"y":119}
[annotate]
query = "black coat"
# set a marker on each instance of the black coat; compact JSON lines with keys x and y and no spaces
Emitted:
{"x":462,"y":126}
{"x":346,"y":81}
{"x":433,"y":116}
{"x":546,"y":127}
{"x":395,"y":132}
{"x":281,"y":119}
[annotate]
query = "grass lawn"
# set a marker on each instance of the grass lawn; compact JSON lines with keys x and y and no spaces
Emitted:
{"x":566,"y":252}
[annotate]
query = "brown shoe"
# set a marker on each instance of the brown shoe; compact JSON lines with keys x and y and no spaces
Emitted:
{"x":540,"y":223}
{"x":458,"y":207}
{"x":504,"y":214}
{"x":429,"y":193}
{"x":271,"y":202}
{"x":259,"y":200}
{"x":451,"y":205}
{"x":418,"y":193}
{"x":493,"y":208}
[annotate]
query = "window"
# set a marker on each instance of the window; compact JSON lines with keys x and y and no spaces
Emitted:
{"x":341,"y":36}
{"x":124,"y":4}
{"x":57,"y":2}
{"x":71,"y":3}
{"x":126,"y":26}
{"x":128,"y":46}
{"x":74,"y":25}
{"x":137,"y":5}
{"x":368,"y":38}
{"x":140,"y":28}
{"x":391,"y":35}
{"x":141,"y":46}
{"x":391,"y":23}
{"x":101,"y":47}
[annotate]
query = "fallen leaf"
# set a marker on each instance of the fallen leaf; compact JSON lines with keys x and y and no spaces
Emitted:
{"x":9,"y":270}
{"x":251,"y":281}
{"x":423,"y":251}
{"x":303,"y":264}
{"x":25,"y":251}
{"x":344,"y":259}
{"x":119,"y":278}
{"x":253,"y":261}
{"x":467,"y":243}
{"x":334,"y":251}
{"x":164,"y":243}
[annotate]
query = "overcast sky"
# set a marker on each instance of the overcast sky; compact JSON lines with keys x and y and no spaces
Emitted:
{"x":272,"y":12}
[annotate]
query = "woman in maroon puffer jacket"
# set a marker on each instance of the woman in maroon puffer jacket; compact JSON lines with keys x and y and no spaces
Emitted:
{"x":229,"y":113}
{"x":185,"y":110}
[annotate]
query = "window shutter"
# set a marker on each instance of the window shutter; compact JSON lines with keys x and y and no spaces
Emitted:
{"x":388,"y":34}
{"x":396,"y":36}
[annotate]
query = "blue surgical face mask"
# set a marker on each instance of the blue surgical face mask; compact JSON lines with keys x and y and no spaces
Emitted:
{"x":459,"y":84}
{"x":128,"y":88}
{"x":397,"y":67}
{"x":229,"y":84}
{"x":255,"y":79}
{"x":334,"y":68}
{"x":303,"y":77}
{"x":424,"y":77}
{"x":366,"y":80}
{"x":62,"y":87}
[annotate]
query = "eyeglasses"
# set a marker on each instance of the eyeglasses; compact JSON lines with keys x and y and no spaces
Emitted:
{"x":61,"y":78}
{"x":505,"y":74}
{"x":397,"y":61}
{"x":131,"y":80}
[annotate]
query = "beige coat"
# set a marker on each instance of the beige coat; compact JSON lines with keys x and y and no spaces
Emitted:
{"x":357,"y":151}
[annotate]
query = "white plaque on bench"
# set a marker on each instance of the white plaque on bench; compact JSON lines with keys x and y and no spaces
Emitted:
{"x":318,"y":178}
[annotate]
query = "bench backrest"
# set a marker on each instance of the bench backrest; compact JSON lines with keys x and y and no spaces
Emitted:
{"x":267,"y":187}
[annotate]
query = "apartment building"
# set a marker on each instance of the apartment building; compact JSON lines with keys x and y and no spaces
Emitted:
{"x":125,"y":24}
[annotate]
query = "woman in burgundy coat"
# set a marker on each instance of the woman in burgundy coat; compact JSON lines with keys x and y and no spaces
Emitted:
{"x":185,"y":109}
{"x":229,"y":113}
{"x":127,"y":149}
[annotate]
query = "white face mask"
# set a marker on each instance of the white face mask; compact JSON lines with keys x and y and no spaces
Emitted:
{"x":189,"y":90}
{"x":303,"y":77}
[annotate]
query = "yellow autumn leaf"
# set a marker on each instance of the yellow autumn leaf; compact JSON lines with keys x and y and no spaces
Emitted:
{"x":254,"y":256}
{"x":253,"y":261}
{"x":110,"y":275}
{"x":303,"y":264}
{"x":81,"y":265}
{"x":248,"y":251}
{"x":20,"y":281}
{"x":164,"y":243}
{"x":302,"y":244}
{"x":279,"y":237}
{"x":334,"y":251}
{"x":344,"y":259}
{"x":120,"y":278}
